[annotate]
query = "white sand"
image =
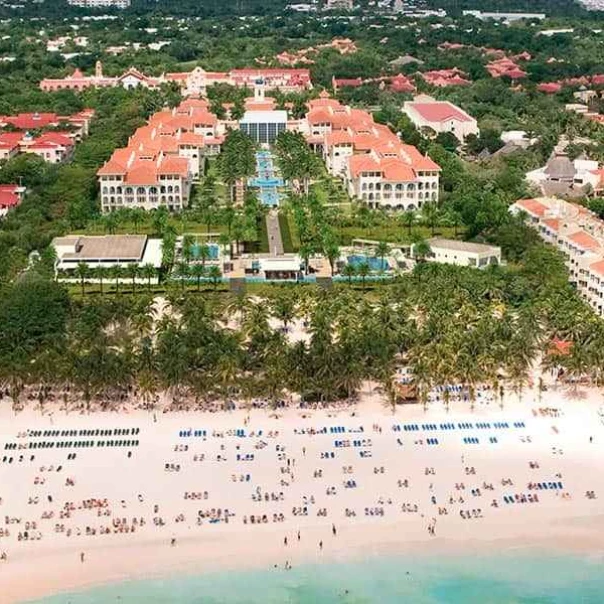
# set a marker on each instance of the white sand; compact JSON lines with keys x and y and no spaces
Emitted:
{"x":51,"y":564}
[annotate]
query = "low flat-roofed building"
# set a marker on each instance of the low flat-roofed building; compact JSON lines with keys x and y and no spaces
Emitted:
{"x":463,"y":253}
{"x":106,"y":250}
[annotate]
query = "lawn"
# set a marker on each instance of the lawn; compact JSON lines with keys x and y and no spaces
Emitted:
{"x":286,"y":234}
{"x":393,"y":233}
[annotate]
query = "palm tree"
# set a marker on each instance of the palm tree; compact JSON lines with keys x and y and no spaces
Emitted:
{"x":137,"y":216}
{"x":382,"y":249}
{"x":148,"y":271}
{"x":349,"y":271}
{"x":363,"y":270}
{"x":215,"y":275}
{"x":117,"y":272}
{"x":204,"y":254}
{"x":188,"y":241}
{"x":430,"y":215}
{"x":421,"y":250}
{"x":332,"y":253}
{"x":82,"y":271}
{"x":131,"y":271}
{"x":182,"y":271}
{"x":408,"y":219}
{"x":198,"y":271}
{"x":101,"y":272}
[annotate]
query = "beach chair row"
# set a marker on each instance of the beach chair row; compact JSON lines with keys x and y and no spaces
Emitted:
{"x":86,"y":432}
{"x":246,"y":457}
{"x":521,"y":498}
{"x":196,"y":433}
{"x":552,"y":486}
{"x":79,"y":444}
{"x":353,"y":443}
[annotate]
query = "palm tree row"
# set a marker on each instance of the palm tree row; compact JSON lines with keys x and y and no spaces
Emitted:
{"x":449,"y":325}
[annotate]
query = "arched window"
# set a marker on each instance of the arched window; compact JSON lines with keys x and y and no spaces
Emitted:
{"x":129,"y":191}
{"x":118,"y":190}
{"x":112,"y":190}
{"x":153,"y":190}
{"x":163,"y":189}
{"x":170,"y":189}
{"x":140,"y":191}
{"x":105,"y":190}
{"x":411,"y":187}
{"x":176,"y":189}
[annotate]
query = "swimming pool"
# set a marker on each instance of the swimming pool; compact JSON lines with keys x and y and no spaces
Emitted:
{"x":266,"y":180}
{"x":212,"y":247}
{"x":375,"y":264}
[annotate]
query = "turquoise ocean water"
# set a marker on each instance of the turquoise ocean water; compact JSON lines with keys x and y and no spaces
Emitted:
{"x":506,"y":579}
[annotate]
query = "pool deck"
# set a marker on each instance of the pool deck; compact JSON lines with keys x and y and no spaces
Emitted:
{"x":275,"y":241}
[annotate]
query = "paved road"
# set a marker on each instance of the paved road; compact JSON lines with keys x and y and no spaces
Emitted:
{"x":275,"y":243}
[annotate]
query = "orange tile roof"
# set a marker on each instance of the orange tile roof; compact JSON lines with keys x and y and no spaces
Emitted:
{"x":142,"y":175}
{"x":553,"y":224}
{"x":532,"y":206}
{"x":597,"y":267}
{"x":584,"y":240}
{"x":398,"y":170}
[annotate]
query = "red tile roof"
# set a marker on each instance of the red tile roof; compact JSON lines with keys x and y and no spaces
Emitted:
{"x":440,"y":111}
{"x":532,"y":206}
{"x":553,"y":224}
{"x":584,"y":240}
{"x":597,"y":267}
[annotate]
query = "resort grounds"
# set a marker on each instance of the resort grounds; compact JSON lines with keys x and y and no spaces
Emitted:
{"x":107,"y":497}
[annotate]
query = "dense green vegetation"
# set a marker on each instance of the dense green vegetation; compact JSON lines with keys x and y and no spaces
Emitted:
{"x":439,"y":320}
{"x":449,"y":324}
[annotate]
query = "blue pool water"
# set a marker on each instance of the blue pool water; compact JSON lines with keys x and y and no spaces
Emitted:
{"x":498,"y":579}
{"x":375,"y":264}
{"x":212,"y":247}
{"x":266,"y":180}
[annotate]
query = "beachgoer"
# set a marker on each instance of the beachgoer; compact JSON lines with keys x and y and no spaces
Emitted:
{"x":82,"y":557}
{"x":284,"y":540}
{"x":333,"y":529}
{"x":320,"y":545}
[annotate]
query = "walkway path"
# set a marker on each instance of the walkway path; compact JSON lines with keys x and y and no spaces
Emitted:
{"x":275,"y":243}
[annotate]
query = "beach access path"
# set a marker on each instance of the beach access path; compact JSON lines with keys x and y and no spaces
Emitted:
{"x":350,"y":482}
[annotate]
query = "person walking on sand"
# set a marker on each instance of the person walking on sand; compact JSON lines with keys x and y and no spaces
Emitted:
{"x":284,"y":540}
{"x":298,"y":535}
{"x":333,"y":530}
{"x":82,"y":557}
{"x":321,"y":545}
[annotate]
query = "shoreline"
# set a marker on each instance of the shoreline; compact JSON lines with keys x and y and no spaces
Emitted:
{"x":190,"y":558}
{"x":561,"y":522}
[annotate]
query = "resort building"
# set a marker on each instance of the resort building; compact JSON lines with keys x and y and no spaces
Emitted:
{"x":339,"y":5}
{"x":505,"y":67}
{"x":563,"y":177}
{"x":506,"y":17}
{"x":106,"y":251}
{"x":375,"y":165}
{"x":161,"y":160}
{"x":578,"y":234}
{"x":261,"y":121}
{"x":193,"y":82}
{"x":440,"y":116}
{"x":54,"y":146}
{"x":463,"y":253}
{"x":442,"y":78}
{"x":10,"y":197}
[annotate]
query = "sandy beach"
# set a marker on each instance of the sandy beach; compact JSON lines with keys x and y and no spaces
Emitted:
{"x":193,"y":492}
